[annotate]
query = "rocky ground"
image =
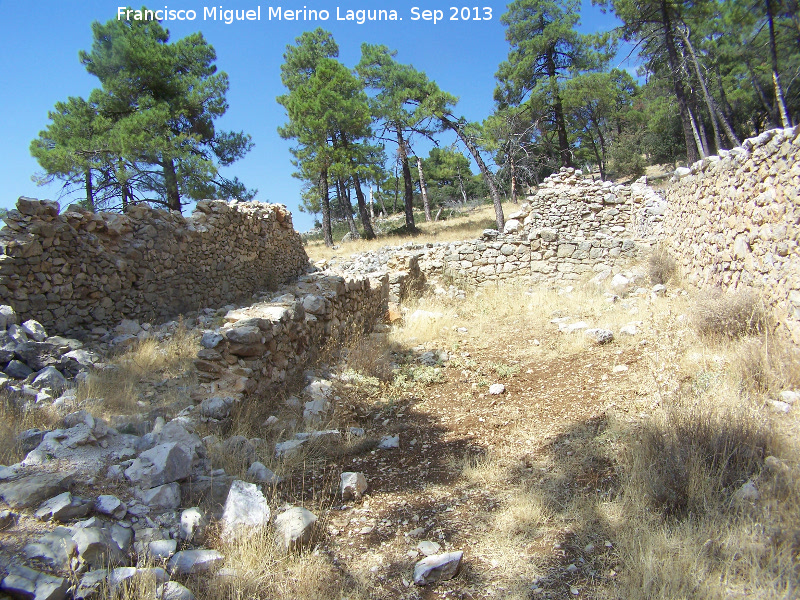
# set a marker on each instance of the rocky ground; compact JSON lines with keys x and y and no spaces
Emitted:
{"x":475,"y":449}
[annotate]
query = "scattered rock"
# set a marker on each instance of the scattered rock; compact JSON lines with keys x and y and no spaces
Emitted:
{"x":429,"y":548}
{"x":34,"y":489}
{"x":172,"y":590}
{"x":389,"y":441}
{"x":192,"y":524}
{"x":162,"y":464}
{"x":295,"y":528}
{"x":110,"y":505}
{"x":63,"y":507}
{"x":245,"y":508}
{"x":747,"y":493}
{"x":259,"y":472}
{"x":439,"y":567}
{"x":191,"y":562}
{"x":162,"y":497}
{"x":496,"y":389}
{"x":353,"y":485}
{"x":23,"y":582}
{"x":599,"y":336}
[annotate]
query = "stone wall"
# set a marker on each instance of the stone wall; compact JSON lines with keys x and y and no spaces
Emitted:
{"x":733,"y":221}
{"x":543,"y":255}
{"x":580,"y":206}
{"x":76,"y":270}
{"x":263,"y":344}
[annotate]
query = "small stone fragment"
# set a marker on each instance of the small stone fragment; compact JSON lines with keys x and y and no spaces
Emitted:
{"x":496,"y":389}
{"x":295,"y":528}
{"x":190,"y":562}
{"x":353,"y":485}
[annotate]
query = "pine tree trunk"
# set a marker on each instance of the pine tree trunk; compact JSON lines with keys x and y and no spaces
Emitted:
{"x":487,"y":174}
{"x":362,"y":208}
{"x":89,"y":190}
{"x":408,"y":199}
{"x":776,"y":78}
{"x":558,"y":111}
{"x":513,"y":177}
{"x":709,"y":100}
{"x":325,"y":206}
{"x":347,"y":209}
{"x":424,"y":191}
{"x":692,"y":141}
{"x":171,"y":183}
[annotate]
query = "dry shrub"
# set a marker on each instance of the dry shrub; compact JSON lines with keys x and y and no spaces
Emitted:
{"x":767,"y":364}
{"x":14,"y":419}
{"x":693,"y":458}
{"x":732,"y":314}
{"x":661,"y":267}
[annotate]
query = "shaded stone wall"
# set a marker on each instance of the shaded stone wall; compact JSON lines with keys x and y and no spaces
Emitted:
{"x":75,"y":270}
{"x":262,"y":345}
{"x":733,"y":221}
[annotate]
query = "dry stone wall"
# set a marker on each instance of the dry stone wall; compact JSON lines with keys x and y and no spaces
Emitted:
{"x":733,"y":221}
{"x":76,"y":270}
{"x":260,"y":345}
{"x":580,"y":206}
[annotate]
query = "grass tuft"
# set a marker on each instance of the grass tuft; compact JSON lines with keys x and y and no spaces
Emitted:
{"x":732,"y":314}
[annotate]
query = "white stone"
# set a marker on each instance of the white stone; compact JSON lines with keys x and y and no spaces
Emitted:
{"x":191,"y":562}
{"x":110,"y":505}
{"x":389,"y":441}
{"x":245,"y":508}
{"x":599,"y":336}
{"x":288,"y":448}
{"x":162,"y":497}
{"x":172,"y":590}
{"x":496,"y":389}
{"x":162,"y":464}
{"x":192,"y":524}
{"x":438,"y":567}
{"x":34,"y":330}
{"x":353,"y":485}
{"x":295,"y":528}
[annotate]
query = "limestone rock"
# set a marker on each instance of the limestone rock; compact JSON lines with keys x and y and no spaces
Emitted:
{"x":107,"y":504}
{"x":172,"y":590}
{"x":259,"y":472}
{"x":161,"y":464}
{"x":353,"y":485}
{"x":50,"y":377}
{"x":23,"y":582}
{"x":56,"y":549}
{"x":438,"y":567}
{"x":32,"y":490}
{"x":496,"y":389}
{"x":162,"y":497}
{"x":216,"y":408}
{"x":63,"y":507}
{"x":389,"y":442}
{"x":34,"y":330}
{"x":246,"y":507}
{"x":191,"y":562}
{"x":295,"y":528}
{"x":599,"y":336}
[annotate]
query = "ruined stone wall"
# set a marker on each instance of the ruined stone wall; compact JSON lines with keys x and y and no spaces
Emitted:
{"x":580,"y":206}
{"x":733,"y":221}
{"x":78,"y":269}
{"x":543,"y":255}
{"x":261,"y":345}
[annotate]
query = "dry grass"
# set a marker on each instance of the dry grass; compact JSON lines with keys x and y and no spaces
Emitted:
{"x":121,"y":385}
{"x":661,"y":267}
{"x":461,"y":227}
{"x":14,"y":419}
{"x":732,"y":314}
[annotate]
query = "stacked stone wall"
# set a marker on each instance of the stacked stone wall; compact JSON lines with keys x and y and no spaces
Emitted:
{"x":262,"y":345}
{"x":733,"y":221}
{"x":77,"y":270}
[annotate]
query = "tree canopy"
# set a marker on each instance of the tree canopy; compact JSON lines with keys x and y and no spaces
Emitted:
{"x":147,"y":134}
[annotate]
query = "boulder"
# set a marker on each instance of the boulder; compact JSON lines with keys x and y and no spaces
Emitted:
{"x":23,"y":582}
{"x":193,"y":523}
{"x":63,"y":507}
{"x":246,"y":507}
{"x":162,"y":497}
{"x":34,"y":330}
{"x":55,"y":549}
{"x":161,"y":464}
{"x":34,"y":489}
{"x":295,"y":528}
{"x":17,"y":369}
{"x":216,"y":408}
{"x":172,"y":590}
{"x":599,"y":336}
{"x":353,"y":485}
{"x":191,"y":562}
{"x":110,"y":505}
{"x":259,"y":472}
{"x":50,"y":377}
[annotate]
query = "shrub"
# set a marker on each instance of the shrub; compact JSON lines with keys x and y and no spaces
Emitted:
{"x":696,"y":457}
{"x":732,"y":314}
{"x":661,"y":267}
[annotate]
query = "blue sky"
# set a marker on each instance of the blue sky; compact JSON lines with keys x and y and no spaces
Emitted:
{"x":41,"y":40}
